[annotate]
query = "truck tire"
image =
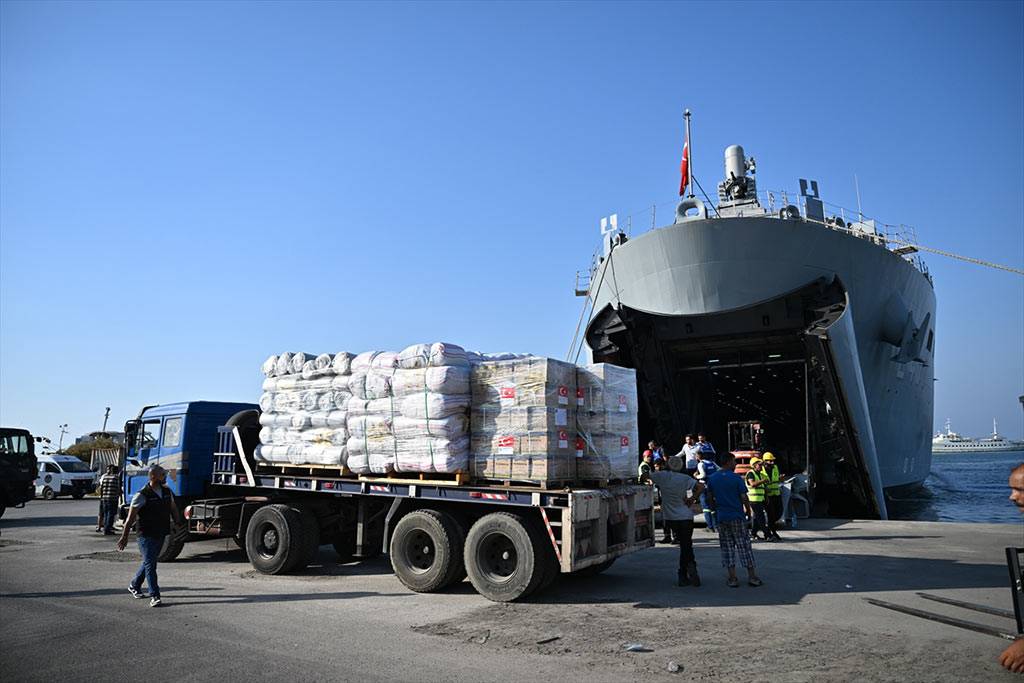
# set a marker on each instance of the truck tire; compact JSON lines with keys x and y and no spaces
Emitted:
{"x":594,"y":569}
{"x":78,"y":494}
{"x":426,"y":550}
{"x":310,"y":540}
{"x":3,"y":509}
{"x":48,"y":493}
{"x":461,"y":527}
{"x":171,"y":548}
{"x":551,"y":572}
{"x":505,"y":558}
{"x":274,"y":539}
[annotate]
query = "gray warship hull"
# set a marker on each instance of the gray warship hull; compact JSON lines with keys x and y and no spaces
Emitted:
{"x":823,"y":335}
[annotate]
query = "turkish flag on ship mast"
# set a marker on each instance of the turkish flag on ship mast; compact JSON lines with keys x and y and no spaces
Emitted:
{"x":684,"y":169}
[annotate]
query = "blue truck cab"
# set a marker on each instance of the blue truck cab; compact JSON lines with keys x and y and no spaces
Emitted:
{"x":181,"y":438}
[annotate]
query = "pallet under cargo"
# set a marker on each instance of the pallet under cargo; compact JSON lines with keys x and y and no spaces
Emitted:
{"x":451,"y":479}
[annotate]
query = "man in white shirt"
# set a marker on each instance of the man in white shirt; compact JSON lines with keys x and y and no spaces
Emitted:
{"x":689,"y":454}
{"x":678,"y":492}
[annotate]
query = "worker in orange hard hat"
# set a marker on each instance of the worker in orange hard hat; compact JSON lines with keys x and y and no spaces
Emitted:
{"x":773,"y":495}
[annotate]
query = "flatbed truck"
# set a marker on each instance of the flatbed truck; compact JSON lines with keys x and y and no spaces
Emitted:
{"x":511,"y":541}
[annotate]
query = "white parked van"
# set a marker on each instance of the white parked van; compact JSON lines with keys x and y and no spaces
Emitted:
{"x":64,"y":475}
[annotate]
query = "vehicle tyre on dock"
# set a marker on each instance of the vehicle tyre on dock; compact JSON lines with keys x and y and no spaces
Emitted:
{"x":505,"y":557}
{"x":275,"y":539}
{"x":310,"y":547}
{"x":173,"y":543}
{"x":426,"y":550}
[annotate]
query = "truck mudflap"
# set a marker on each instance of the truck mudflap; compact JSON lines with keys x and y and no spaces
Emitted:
{"x":602,"y":524}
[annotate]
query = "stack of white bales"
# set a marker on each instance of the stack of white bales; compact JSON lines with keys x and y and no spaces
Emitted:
{"x":304,"y":409}
{"x":409,"y":410}
{"x":606,"y":418}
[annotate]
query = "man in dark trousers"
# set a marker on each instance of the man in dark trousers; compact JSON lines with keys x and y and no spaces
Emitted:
{"x":678,"y":492}
{"x":772,"y":495}
{"x":110,"y":495}
{"x":153,"y":506}
{"x":756,"y":482}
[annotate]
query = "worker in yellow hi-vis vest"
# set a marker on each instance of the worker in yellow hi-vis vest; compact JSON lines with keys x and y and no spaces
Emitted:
{"x":756,"y":487}
{"x":773,"y":495}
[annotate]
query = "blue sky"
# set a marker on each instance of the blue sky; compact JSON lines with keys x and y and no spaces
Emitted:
{"x":186,"y":188}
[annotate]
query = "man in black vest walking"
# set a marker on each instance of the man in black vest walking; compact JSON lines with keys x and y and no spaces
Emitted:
{"x":153,"y":506}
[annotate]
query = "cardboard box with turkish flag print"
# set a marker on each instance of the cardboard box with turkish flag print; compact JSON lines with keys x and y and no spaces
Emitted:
{"x":606,"y":420}
{"x":523,"y":420}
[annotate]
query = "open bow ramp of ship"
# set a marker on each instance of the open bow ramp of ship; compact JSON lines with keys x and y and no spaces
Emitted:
{"x":810,"y":326}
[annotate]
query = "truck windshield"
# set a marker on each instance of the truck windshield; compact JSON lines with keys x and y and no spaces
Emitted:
{"x":74,"y":466}
{"x":14,"y":444}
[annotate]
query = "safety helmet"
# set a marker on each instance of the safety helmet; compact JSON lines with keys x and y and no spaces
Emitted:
{"x":755,"y":460}
{"x":768,"y":457}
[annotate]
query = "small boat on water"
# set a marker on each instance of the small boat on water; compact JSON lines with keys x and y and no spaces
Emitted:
{"x":951,"y":442}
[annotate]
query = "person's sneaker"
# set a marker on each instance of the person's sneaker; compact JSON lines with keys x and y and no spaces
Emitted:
{"x":684,"y":580}
{"x":155,"y":602}
{"x":136,"y":593}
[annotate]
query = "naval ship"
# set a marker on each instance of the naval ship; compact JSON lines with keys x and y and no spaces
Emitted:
{"x":818,"y":329}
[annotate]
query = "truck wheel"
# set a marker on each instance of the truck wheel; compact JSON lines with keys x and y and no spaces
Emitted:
{"x":48,"y":493}
{"x":551,"y":572}
{"x":310,"y":540}
{"x":78,"y":494}
{"x":461,"y":527}
{"x":426,"y":550}
{"x":3,"y":509}
{"x":594,"y":569}
{"x":274,"y":539}
{"x":171,"y":548}
{"x":504,"y":557}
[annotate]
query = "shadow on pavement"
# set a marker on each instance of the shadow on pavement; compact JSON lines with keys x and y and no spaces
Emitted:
{"x":168,"y":596}
{"x":90,"y":593}
{"x":789,"y":576}
{"x":83,"y":520}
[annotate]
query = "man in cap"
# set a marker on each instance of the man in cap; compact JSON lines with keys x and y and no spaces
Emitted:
{"x":756,"y":482}
{"x":729,"y":499}
{"x":645,"y":464}
{"x":154,"y":509}
{"x":678,"y":491}
{"x":773,"y":495}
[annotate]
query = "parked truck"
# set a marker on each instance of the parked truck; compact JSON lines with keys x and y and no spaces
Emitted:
{"x":511,"y":541}
{"x":17,"y":468}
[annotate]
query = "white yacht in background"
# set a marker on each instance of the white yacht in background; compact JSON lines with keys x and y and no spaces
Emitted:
{"x":951,"y":442}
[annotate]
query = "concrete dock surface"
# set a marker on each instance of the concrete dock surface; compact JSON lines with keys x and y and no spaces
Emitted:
{"x":65,"y":613}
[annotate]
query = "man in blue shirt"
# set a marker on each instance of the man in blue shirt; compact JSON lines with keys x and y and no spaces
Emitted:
{"x":729,"y":499}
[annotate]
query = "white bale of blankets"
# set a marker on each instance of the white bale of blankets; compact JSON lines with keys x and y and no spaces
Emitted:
{"x":304,"y":409}
{"x":409,"y":411}
{"x":375,"y":412}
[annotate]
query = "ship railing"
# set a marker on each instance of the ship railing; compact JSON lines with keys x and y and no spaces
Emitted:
{"x":899,"y":238}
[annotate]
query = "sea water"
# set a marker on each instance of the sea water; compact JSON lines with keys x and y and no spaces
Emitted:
{"x":963,"y":487}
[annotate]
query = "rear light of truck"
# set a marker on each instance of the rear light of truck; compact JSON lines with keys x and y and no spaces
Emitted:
{"x":188,"y":512}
